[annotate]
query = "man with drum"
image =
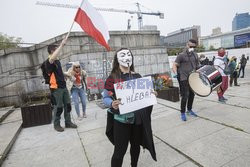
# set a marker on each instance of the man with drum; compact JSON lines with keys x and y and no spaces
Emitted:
{"x":220,"y":64}
{"x":186,"y":62}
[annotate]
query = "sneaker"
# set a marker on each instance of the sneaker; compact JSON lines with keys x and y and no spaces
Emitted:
{"x":183,"y":117}
{"x":242,"y":77}
{"x":58,"y":128}
{"x":70,"y":125}
{"x":190,"y":112}
{"x":79,"y":118}
{"x":84,"y":116}
{"x":237,"y":85}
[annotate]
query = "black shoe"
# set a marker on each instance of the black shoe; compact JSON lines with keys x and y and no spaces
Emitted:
{"x":242,"y":77}
{"x":221,"y":100}
{"x":236,"y":85}
{"x":70,"y":125}
{"x":58,"y":128}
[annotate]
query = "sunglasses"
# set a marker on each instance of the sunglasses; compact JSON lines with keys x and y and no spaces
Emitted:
{"x":192,"y":46}
{"x":77,"y":67}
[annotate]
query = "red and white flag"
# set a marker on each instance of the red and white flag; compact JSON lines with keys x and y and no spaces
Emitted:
{"x":92,"y":23}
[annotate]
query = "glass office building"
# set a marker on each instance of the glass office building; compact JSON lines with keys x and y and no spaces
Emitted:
{"x":241,"y":21}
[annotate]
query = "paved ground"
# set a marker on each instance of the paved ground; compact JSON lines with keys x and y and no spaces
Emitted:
{"x":220,"y":136}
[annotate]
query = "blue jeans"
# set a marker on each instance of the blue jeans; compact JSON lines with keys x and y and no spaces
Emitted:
{"x":76,"y":93}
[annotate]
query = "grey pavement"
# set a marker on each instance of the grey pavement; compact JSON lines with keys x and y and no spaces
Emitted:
{"x":219,"y":137}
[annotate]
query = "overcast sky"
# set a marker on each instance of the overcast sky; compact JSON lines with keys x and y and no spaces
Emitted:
{"x":34,"y":23}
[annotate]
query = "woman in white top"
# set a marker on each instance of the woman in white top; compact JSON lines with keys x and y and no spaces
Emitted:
{"x":220,"y":64}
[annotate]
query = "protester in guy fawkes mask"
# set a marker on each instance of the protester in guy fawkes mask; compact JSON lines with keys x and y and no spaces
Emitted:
{"x":134,"y":127}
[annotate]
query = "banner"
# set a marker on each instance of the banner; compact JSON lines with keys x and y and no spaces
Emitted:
{"x":135,"y":94}
{"x":241,"y":40}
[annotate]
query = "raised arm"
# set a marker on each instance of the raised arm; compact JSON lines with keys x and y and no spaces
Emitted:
{"x":55,"y":54}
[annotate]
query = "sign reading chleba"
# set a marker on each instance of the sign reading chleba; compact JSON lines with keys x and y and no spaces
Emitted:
{"x":135,"y":94}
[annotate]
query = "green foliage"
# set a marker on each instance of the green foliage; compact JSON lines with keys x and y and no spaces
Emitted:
{"x":200,"y":48}
{"x":174,"y":51}
{"x":8,"y":42}
{"x":212,"y":48}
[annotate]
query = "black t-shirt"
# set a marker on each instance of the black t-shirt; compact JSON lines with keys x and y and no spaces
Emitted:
{"x":56,"y":68}
{"x":187,"y":62}
{"x":109,"y":84}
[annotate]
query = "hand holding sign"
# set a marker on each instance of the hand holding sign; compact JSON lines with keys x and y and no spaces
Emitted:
{"x":115,"y":104}
{"x":135,"y":94}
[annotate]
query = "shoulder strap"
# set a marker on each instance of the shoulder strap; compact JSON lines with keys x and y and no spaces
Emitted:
{"x":83,"y":82}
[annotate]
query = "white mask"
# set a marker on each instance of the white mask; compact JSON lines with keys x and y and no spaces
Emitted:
{"x":190,"y":49}
{"x":124,"y":58}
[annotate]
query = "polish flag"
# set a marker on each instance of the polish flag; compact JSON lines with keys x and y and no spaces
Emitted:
{"x":92,"y":23}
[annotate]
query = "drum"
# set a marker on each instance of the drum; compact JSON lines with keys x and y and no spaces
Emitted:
{"x":205,"y":80}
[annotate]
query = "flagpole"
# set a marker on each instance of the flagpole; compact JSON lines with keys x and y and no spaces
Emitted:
{"x":69,"y":30}
{"x":73,"y":23}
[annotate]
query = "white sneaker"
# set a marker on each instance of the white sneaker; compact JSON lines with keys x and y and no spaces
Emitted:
{"x":79,"y":118}
{"x":84,"y":116}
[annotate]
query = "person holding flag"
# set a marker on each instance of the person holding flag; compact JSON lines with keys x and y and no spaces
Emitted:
{"x":58,"y":87}
{"x":93,"y":24}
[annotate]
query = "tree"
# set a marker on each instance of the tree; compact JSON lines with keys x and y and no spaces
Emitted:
{"x":200,"y":48}
{"x":9,"y":42}
{"x":211,"y":48}
{"x":174,"y":51}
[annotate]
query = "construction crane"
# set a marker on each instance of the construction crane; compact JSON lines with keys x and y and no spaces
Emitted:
{"x":138,"y":12}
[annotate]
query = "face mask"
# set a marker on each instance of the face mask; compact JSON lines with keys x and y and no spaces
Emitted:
{"x":190,"y":49}
{"x":124,"y":58}
{"x":221,"y":54}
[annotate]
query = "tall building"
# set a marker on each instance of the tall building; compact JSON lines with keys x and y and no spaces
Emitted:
{"x":216,"y":31}
{"x":179,"y":38}
{"x":241,"y":21}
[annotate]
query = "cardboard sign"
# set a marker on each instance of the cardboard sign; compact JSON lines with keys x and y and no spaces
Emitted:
{"x":135,"y":94}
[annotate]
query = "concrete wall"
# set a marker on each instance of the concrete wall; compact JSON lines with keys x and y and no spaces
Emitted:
{"x":20,"y":68}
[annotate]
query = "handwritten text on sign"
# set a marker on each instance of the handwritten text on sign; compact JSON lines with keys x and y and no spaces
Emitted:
{"x":135,"y":94}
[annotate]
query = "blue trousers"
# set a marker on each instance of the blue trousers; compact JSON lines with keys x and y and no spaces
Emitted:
{"x":76,"y":93}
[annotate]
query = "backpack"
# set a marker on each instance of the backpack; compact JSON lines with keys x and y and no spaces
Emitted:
{"x":45,"y":73}
{"x":228,"y":68}
{"x":231,"y":68}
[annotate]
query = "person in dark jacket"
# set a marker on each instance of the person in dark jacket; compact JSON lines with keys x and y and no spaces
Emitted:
{"x":58,"y":87}
{"x":133,"y":127}
{"x":243,"y":62}
{"x":234,"y":74}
